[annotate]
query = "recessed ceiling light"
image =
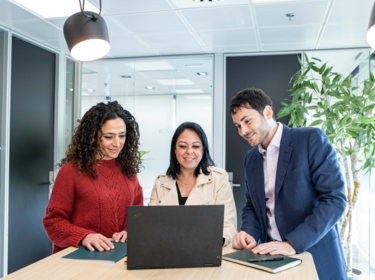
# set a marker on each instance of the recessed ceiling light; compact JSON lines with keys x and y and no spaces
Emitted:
{"x":267,"y":1}
{"x":172,"y":82}
{"x":202,"y":74}
{"x":151,"y":65}
{"x":126,"y":76}
{"x":90,"y":90}
{"x":55,"y":9}
{"x":193,"y":65}
{"x":71,"y":89}
{"x":149,"y":88}
{"x":198,"y":97}
{"x":188,"y":91}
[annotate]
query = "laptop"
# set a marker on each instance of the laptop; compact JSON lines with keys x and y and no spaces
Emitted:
{"x":175,"y":236}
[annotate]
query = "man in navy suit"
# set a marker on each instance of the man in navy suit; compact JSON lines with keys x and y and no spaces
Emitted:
{"x":294,"y":188}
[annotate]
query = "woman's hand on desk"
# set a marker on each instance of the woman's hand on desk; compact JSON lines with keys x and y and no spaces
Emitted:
{"x":242,"y":240}
{"x":100,"y":242}
{"x":120,"y":236}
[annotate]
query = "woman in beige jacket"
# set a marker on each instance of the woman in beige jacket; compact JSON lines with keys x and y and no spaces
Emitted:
{"x":192,"y":178}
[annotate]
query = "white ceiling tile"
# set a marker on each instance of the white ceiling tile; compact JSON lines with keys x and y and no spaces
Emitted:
{"x":288,"y":47}
{"x":152,"y":22}
{"x":134,"y":6}
{"x":294,"y":34}
{"x":345,"y":31}
{"x":171,"y":41}
{"x":233,"y":48}
{"x":39,"y":30}
{"x":337,"y":44}
{"x":59,"y":45}
{"x":181,"y":51}
{"x":182,"y":4}
{"x":125,"y":42}
{"x":350,"y":10}
{"x":10,"y":12}
{"x":304,"y":13}
{"x":219,"y":18}
{"x":131,"y":53}
{"x":227,"y":37}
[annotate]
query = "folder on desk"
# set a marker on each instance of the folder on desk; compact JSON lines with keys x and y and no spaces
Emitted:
{"x":242,"y":256}
{"x":114,"y":255}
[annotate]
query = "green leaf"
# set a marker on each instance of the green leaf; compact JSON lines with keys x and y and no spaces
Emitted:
{"x":316,"y":69}
{"x":299,"y":60}
{"x":354,"y":128}
{"x":336,"y":79}
{"x":282,"y":113}
{"x":366,"y":120}
{"x":312,"y":107}
{"x":321,"y":70}
{"x":314,"y":123}
{"x":332,"y":135}
{"x":316,"y":59}
{"x":307,"y":59}
{"x":369,"y":107}
{"x":372,"y":95}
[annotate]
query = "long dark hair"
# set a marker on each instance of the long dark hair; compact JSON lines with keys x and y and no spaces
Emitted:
{"x":174,"y":167}
{"x":84,"y":148}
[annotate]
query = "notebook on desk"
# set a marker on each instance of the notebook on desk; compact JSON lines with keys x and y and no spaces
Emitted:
{"x":175,"y":236}
{"x":113,"y":255}
{"x":242,"y":257}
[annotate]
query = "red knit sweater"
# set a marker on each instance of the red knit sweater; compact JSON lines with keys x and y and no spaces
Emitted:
{"x":80,"y":205}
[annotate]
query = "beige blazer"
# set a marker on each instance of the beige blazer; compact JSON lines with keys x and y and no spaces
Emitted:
{"x":209,"y":189}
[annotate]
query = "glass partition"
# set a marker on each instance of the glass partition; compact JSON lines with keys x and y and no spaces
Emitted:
{"x":69,"y":102}
{"x":161,"y":92}
{"x":3,"y":212}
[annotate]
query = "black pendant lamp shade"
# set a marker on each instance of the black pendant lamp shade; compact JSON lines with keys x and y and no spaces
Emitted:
{"x":371,"y":29}
{"x":87,"y":36}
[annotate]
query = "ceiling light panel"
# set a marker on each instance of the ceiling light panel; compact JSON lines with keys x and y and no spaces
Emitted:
{"x":183,"y":4}
{"x":151,"y":65}
{"x":197,"y":97}
{"x":175,"y":82}
{"x":184,"y":91}
{"x":54,"y":9}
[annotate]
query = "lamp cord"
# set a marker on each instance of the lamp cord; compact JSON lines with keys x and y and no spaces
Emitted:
{"x":82,"y":6}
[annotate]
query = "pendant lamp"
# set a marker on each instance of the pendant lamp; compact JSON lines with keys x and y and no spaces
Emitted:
{"x":371,"y":29}
{"x":86,"y":34}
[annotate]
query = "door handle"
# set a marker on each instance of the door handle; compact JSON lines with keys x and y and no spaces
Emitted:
{"x":230,"y":179}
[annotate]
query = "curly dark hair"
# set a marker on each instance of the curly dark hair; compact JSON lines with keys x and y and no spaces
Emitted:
{"x":84,"y":148}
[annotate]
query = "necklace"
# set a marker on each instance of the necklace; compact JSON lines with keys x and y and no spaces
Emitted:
{"x":187,"y":182}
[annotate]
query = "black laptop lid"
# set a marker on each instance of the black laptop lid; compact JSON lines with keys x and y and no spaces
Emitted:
{"x":175,"y":236}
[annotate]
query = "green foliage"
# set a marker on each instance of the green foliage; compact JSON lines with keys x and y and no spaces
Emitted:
{"x":327,"y":99}
{"x":143,"y":153}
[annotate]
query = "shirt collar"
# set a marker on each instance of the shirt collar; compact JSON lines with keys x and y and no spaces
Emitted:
{"x":275,"y":142}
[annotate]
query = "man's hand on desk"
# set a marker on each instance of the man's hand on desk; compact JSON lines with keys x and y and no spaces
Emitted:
{"x":120,"y":236}
{"x":275,"y":248}
{"x":100,"y":242}
{"x":242,"y":240}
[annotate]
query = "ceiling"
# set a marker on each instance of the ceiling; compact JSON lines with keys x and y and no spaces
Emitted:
{"x":170,"y":27}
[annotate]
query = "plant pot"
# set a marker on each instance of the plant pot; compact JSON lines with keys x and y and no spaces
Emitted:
{"x":358,"y":274}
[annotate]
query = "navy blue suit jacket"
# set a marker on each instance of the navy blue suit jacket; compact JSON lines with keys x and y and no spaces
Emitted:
{"x":309,"y":198}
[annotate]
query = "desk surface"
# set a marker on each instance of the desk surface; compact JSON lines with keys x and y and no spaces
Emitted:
{"x":53,"y":267}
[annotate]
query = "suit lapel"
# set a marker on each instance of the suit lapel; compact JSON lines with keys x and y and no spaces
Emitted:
{"x":285,"y":153}
{"x":256,"y":176}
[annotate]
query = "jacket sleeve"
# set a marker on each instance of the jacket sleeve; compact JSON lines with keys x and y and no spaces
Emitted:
{"x":224,"y":196}
{"x":330,"y":189}
{"x":250,"y":223}
{"x":154,"y":196}
{"x":57,"y":221}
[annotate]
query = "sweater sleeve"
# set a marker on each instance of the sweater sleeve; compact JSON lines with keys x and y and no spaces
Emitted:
{"x":57,"y":221}
{"x":138,"y":196}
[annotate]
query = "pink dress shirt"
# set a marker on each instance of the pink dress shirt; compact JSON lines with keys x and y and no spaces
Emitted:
{"x":270,"y":159}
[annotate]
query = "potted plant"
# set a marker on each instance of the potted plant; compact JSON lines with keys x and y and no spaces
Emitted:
{"x":345,"y":113}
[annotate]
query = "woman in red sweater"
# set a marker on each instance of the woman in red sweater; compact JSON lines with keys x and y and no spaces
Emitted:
{"x":96,"y":182}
